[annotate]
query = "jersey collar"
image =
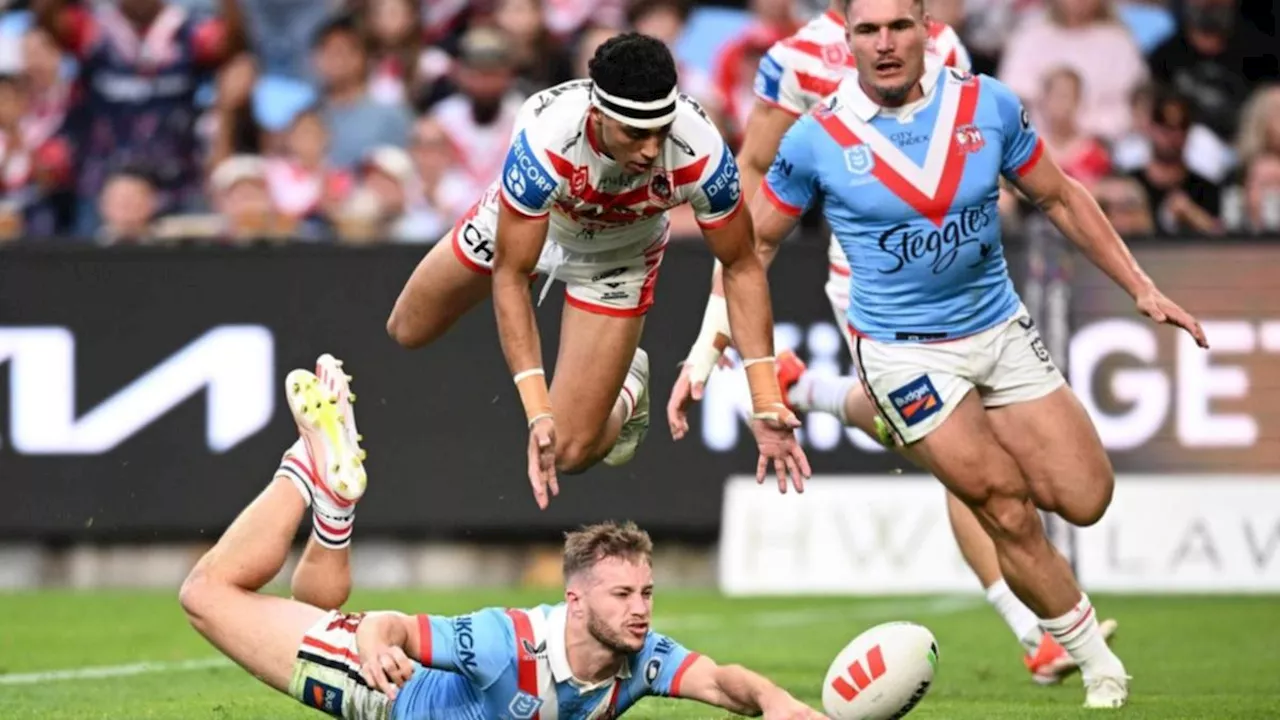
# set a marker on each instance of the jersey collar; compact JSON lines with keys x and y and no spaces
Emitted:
{"x":558,"y":653}
{"x":864,"y":108}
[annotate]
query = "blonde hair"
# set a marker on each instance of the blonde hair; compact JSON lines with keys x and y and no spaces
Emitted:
{"x":1251,"y":138}
{"x":590,"y":544}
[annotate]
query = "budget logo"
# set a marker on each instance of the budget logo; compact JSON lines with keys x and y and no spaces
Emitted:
{"x":916,"y":400}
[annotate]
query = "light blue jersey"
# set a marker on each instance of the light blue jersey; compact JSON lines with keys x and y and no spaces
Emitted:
{"x":911,"y":196}
{"x":498,"y":664}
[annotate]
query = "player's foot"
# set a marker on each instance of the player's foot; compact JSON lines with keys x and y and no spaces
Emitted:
{"x":637,"y":426}
{"x":323,"y":414}
{"x":1051,"y":663}
{"x":1106,"y":692}
{"x":790,"y":368}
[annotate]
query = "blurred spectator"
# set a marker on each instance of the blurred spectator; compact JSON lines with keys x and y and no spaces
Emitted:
{"x":141,"y":65}
{"x":1255,"y":208}
{"x":281,"y":30}
{"x":233,"y":128}
{"x":1124,"y":201}
{"x":35,"y":161}
{"x":357,"y":123}
{"x":1081,"y":156}
{"x":1217,"y":61}
{"x":128,"y":205}
{"x":734,"y":76}
{"x":49,"y":92}
{"x":441,"y":18}
{"x":480,"y":119}
{"x":304,"y":187}
{"x":539,"y":60}
{"x":1259,"y":125}
{"x":1086,"y":36}
{"x":389,"y":175}
{"x":243,"y":201}
{"x":564,"y":18}
{"x":1182,"y":200}
{"x":666,"y":20}
{"x":444,"y":186}
{"x":396,"y":47}
{"x":590,"y":39}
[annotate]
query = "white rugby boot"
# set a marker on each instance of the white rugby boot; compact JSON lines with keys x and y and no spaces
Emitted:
{"x":636,"y":427}
{"x":326,"y":422}
{"x":1106,"y":692}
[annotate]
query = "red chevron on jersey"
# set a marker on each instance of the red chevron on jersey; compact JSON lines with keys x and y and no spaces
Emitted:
{"x":929,"y":189}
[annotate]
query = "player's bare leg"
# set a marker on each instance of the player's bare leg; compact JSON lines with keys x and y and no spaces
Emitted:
{"x":1060,"y":453}
{"x":1068,"y":472}
{"x":843,"y":397}
{"x":440,"y":291}
{"x":220,"y":598}
{"x":965,"y":453}
{"x":600,"y":384}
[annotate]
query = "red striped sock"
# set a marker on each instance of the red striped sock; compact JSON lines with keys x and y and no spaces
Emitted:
{"x":1077,"y":632}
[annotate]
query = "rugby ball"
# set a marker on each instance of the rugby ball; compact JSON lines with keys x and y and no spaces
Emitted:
{"x":882,"y":674}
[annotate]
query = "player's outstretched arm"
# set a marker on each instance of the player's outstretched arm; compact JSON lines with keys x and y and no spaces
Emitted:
{"x":770,"y":226}
{"x":751,"y":319}
{"x":519,"y":240}
{"x":1074,"y":211}
{"x":741,"y":691}
{"x":765,"y":127}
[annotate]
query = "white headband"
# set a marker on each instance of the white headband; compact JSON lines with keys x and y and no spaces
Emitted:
{"x":648,"y":114}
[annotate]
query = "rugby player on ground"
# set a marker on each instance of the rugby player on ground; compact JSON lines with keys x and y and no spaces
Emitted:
{"x":592,"y":656}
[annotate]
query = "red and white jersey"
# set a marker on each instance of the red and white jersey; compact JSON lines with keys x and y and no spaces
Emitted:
{"x":479,"y":149}
{"x":556,"y":165}
{"x":798,"y":72}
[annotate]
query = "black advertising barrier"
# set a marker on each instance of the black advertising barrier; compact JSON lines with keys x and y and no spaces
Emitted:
{"x":142,"y":395}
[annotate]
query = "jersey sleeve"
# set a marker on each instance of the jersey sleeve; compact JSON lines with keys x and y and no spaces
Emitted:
{"x":1022,"y":146}
{"x":664,"y":664}
{"x":792,"y":180}
{"x":478,"y":646}
{"x":528,"y":184}
{"x":718,"y":195}
{"x":777,"y":86}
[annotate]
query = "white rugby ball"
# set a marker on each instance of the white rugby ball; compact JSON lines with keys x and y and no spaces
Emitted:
{"x":882,"y":674}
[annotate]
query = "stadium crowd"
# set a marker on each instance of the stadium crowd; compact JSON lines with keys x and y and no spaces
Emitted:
{"x":368,"y":120}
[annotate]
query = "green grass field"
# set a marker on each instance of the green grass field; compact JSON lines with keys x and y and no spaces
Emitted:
{"x":1191,"y":657}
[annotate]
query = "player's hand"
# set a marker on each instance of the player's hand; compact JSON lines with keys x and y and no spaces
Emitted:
{"x":776,"y":439}
{"x":1156,"y":306}
{"x":684,"y":392}
{"x":542,"y":460}
{"x":384,"y":666}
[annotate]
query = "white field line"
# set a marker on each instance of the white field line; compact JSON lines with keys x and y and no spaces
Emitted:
{"x":766,"y":618}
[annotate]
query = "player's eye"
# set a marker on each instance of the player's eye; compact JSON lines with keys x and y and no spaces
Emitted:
{"x":903,"y":24}
{"x":865,"y":29}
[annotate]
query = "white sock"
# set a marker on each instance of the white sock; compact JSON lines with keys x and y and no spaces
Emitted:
{"x":331,"y":518}
{"x":1077,"y":632}
{"x":821,"y":392}
{"x":1024,"y":623}
{"x":632,"y":386}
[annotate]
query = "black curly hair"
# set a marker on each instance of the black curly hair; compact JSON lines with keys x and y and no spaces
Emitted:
{"x":633,"y":66}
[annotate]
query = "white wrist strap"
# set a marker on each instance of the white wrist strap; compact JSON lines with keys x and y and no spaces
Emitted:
{"x":704,"y":354}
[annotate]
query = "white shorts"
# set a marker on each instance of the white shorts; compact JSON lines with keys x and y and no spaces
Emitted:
{"x":917,"y":385}
{"x":617,"y":282}
{"x":326,"y":675}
